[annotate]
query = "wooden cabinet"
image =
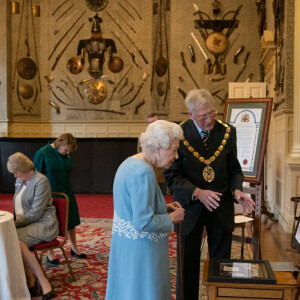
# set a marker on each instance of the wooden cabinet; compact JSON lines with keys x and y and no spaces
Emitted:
{"x":284,"y":288}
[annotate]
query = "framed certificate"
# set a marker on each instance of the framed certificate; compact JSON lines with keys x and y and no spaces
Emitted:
{"x":241,"y":271}
{"x":251,"y":118}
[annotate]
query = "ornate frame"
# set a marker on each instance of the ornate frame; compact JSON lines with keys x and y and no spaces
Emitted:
{"x":241,"y":271}
{"x":251,"y":117}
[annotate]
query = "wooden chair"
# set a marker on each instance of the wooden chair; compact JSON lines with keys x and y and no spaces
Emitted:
{"x":242,"y":225}
{"x":255,"y":193}
{"x":61,"y":203}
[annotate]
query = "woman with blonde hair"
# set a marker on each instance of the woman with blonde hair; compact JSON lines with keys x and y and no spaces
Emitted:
{"x":35,"y":217}
{"x":55,"y":161}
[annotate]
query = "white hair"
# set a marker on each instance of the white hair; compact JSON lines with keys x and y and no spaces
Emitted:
{"x":160,"y":134}
{"x":198,"y":97}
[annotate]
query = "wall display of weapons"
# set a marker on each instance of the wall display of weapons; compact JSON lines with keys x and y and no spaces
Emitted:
{"x":160,"y":74}
{"x":216,"y":30}
{"x":278,"y":11}
{"x":26,"y":80}
{"x":96,"y":56}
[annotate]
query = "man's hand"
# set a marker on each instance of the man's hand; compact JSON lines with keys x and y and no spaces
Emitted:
{"x":244,"y":200}
{"x":173,"y":206}
{"x":209,"y":198}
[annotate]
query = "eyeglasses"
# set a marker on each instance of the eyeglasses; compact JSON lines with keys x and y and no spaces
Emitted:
{"x":211,"y":116}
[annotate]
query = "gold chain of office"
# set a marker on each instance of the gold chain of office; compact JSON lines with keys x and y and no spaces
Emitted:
{"x":208,"y":172}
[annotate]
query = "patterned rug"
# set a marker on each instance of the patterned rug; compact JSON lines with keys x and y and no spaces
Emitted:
{"x":93,"y":236}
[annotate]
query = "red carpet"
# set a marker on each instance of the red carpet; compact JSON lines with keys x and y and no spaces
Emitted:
{"x":93,"y":237}
{"x":95,"y":206}
{"x":90,"y":206}
{"x":98,"y":206}
{"x":6,"y":202}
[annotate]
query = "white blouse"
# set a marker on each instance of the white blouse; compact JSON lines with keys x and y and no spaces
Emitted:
{"x":18,"y":203}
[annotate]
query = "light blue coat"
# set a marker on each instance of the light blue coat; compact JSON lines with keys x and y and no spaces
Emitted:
{"x":139,"y":253}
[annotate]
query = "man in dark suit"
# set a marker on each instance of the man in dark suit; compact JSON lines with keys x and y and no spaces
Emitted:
{"x":206,"y":179}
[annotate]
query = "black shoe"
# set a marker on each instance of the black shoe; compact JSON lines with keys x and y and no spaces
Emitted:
{"x":50,"y":294}
{"x":34,"y":290}
{"x":53,"y":262}
{"x":73,"y":253}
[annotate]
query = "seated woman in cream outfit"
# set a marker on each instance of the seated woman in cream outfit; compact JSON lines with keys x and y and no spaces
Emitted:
{"x":35,"y":217}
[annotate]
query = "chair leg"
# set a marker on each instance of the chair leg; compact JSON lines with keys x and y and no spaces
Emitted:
{"x":203,"y":240}
{"x":68,"y":263}
{"x":40,"y":260}
{"x":36,"y":256}
{"x":242,"y":243}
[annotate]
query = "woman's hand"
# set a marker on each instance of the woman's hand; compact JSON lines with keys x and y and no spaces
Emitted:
{"x":173,"y":206}
{"x":177,"y":215}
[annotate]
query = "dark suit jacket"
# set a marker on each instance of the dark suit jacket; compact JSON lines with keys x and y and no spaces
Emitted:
{"x":185,"y":174}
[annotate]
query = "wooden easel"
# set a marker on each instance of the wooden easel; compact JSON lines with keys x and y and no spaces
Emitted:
{"x":264,"y":210}
{"x":255,"y":192}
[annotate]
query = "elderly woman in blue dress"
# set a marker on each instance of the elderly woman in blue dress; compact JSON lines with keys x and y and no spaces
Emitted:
{"x":139,"y":253}
{"x":35,"y":217}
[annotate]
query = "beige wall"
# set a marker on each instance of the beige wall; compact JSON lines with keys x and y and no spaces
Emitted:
{"x":43,"y":119}
{"x":282,"y":171}
{"x":282,"y":163}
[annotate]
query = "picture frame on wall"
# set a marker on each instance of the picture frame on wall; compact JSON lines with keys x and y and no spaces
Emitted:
{"x":241,"y":271}
{"x":251,"y":118}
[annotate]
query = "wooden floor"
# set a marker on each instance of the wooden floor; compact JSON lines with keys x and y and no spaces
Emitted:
{"x":276,"y":243}
{"x":276,"y":247}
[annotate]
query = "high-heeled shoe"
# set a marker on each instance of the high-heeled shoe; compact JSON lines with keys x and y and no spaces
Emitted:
{"x":50,"y":294}
{"x":53,"y":261}
{"x":73,"y":253}
{"x":34,"y":290}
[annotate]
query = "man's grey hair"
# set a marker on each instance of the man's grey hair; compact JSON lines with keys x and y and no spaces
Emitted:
{"x":160,"y":134}
{"x":198,"y":97}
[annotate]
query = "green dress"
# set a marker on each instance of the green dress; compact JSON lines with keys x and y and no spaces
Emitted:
{"x":57,"y":169}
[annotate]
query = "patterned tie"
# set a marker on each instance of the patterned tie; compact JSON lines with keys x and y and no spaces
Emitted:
{"x":204,"y":135}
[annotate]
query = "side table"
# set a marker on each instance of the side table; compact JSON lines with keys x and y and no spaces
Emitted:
{"x":285,"y":285}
